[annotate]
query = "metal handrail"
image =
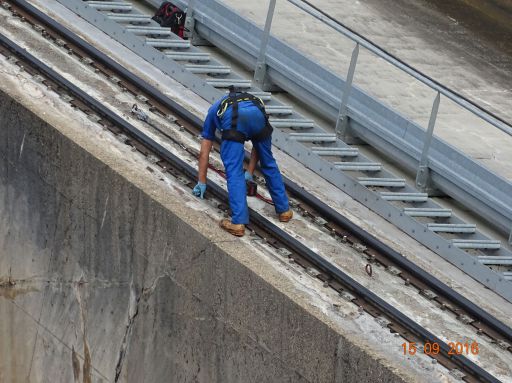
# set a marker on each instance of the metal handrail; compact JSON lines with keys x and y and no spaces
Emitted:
{"x":467,"y":104}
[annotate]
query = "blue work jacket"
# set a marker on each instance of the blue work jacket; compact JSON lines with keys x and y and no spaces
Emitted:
{"x":250,"y":119}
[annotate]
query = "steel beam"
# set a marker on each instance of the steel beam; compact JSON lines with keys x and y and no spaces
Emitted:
{"x":335,"y":152}
{"x":404,"y":197}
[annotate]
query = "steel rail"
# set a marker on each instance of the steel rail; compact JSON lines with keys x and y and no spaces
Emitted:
{"x":460,"y":361}
{"x":434,"y":284}
{"x":456,"y":97}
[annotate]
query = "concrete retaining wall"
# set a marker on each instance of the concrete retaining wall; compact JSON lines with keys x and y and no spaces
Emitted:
{"x":99,"y":282}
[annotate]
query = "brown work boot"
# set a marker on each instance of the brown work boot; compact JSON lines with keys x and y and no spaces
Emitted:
{"x":232,"y":228}
{"x":286,"y":216}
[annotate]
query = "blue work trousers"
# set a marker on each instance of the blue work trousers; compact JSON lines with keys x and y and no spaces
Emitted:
{"x":232,"y":155}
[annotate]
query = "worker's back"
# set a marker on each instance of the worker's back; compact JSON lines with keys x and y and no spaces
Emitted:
{"x":250,"y":120}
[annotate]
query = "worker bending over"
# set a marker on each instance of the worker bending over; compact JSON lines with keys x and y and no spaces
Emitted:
{"x":241,"y":117}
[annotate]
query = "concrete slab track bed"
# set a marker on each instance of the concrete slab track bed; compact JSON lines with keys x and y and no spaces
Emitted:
{"x":100,"y":279}
{"x":464,"y":179}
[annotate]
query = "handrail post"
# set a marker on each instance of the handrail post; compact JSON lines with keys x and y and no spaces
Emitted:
{"x":423,"y":174}
{"x":190,"y":26}
{"x":342,"y":121}
{"x":260,"y":73}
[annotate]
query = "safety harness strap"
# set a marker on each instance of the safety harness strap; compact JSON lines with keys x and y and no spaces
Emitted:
{"x":233,"y":135}
{"x":234,"y":114}
{"x":232,"y":100}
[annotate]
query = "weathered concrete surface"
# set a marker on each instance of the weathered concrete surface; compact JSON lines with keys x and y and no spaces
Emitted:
{"x":345,"y":317}
{"x":496,"y":11}
{"x":105,"y":278}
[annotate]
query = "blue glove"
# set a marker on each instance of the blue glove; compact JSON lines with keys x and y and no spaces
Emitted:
{"x":248,"y":176}
{"x":199,"y":190}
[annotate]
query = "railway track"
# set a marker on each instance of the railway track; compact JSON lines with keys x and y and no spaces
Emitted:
{"x":368,"y":181}
{"x":308,"y":205}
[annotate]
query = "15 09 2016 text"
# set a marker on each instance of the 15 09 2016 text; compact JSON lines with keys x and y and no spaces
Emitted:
{"x":434,"y":348}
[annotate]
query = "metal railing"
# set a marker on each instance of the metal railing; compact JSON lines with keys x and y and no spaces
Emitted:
{"x":422,"y":174}
{"x":362,"y":41}
{"x":467,"y":104}
{"x":431,"y":174}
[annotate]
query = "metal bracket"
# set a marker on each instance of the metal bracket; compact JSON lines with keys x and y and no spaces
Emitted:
{"x":190,"y":23}
{"x":423,"y":177}
{"x":260,"y":72}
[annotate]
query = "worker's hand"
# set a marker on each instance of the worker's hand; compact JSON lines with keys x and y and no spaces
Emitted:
{"x":199,"y":190}
{"x":248,"y":176}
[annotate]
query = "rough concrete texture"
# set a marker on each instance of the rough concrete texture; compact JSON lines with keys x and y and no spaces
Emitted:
{"x":368,"y":332}
{"x":105,"y":279}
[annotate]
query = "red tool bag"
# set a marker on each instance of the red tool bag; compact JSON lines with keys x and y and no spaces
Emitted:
{"x":169,"y":15}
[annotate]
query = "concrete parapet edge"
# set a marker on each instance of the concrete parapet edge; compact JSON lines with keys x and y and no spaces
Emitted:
{"x":115,"y":276}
